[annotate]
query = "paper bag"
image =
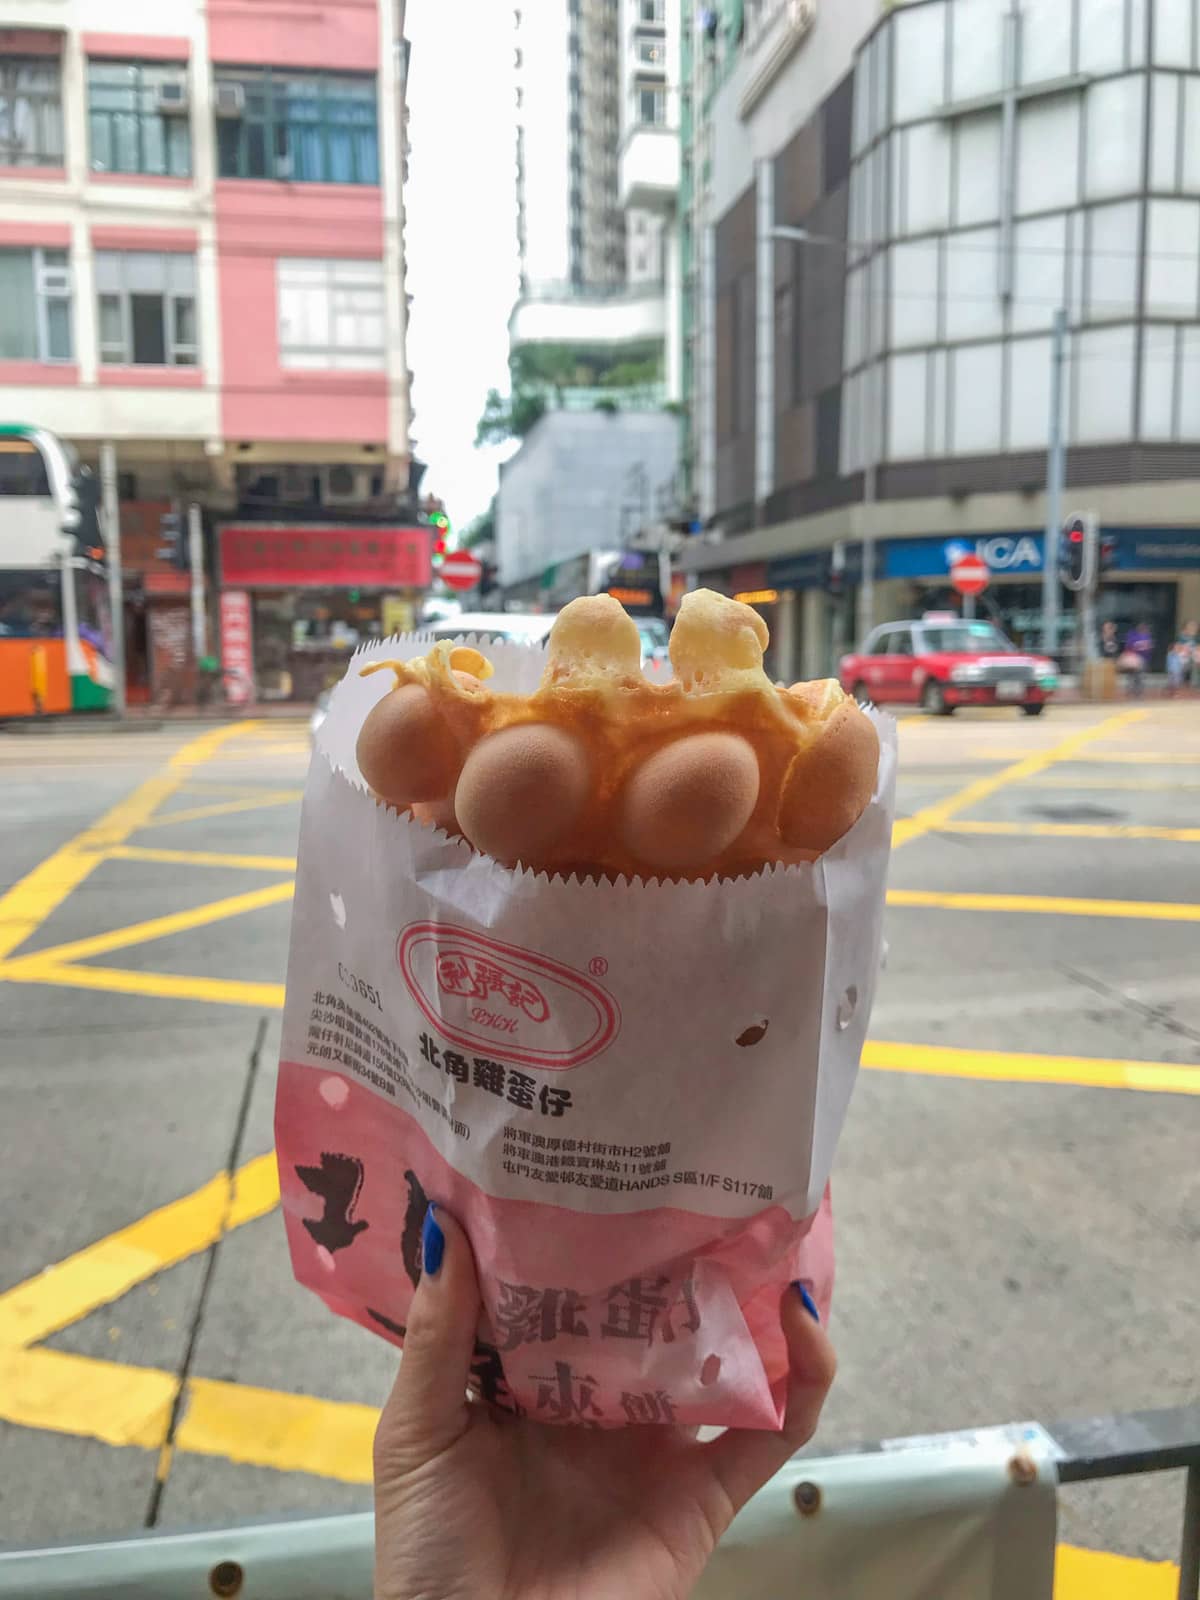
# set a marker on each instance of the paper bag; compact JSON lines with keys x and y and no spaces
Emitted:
{"x":629,"y":1094}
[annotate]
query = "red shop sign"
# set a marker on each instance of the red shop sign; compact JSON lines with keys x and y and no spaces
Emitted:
{"x":258,"y":557}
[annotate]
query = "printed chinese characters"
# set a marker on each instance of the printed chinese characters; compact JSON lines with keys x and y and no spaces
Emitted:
{"x":518,"y":1088}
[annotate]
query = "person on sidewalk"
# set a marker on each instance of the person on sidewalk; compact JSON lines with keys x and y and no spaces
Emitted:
{"x":1139,"y":647}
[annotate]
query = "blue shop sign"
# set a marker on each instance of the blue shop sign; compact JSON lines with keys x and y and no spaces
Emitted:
{"x":814,"y":568}
{"x":1157,"y":549}
{"x":1020,"y":554}
{"x":1005,"y":554}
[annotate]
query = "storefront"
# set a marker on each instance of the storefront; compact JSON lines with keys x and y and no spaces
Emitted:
{"x":1154,"y":577}
{"x":297,"y":600}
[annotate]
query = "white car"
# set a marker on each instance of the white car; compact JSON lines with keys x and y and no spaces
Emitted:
{"x":525,"y":628}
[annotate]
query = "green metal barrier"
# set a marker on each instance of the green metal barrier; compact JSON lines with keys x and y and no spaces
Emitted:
{"x":965,"y":1516}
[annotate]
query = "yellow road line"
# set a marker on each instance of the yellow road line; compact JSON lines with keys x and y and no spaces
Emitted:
{"x":99,"y":944}
{"x":91,"y":1399}
{"x":1006,"y":1066}
{"x":934,"y":816}
{"x":103,"y":1271}
{"x":1132,"y":758}
{"x":269,"y":1428}
{"x":221,"y":808}
{"x":28,"y":903}
{"x":1097,"y":1575}
{"x":1073,"y":830}
{"x":203,"y":858}
{"x":1089,"y":780}
{"x":1046,"y":905}
{"x":240,"y":791}
{"x":153,"y":985}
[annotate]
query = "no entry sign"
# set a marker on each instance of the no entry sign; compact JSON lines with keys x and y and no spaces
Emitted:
{"x":970,"y":575}
{"x":461,"y":570}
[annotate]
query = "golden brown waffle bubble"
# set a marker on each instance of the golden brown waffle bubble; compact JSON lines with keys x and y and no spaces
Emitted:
{"x":602,"y":772}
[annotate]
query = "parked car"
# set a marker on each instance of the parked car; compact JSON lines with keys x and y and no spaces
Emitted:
{"x":943,"y":662}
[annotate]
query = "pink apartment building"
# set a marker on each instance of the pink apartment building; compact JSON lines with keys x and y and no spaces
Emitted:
{"x":202,"y":264}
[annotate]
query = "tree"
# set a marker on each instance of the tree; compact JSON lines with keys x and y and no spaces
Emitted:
{"x":481,"y":529}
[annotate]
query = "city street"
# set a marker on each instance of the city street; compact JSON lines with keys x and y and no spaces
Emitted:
{"x":1017,"y":1192}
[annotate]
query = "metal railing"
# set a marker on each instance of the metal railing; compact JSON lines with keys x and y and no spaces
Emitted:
{"x":316,"y":1559}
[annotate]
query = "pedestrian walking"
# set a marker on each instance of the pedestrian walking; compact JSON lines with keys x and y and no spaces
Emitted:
{"x":1189,"y":638}
{"x":1135,"y":659}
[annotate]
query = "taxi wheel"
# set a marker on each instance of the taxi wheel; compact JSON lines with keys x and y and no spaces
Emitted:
{"x":861,"y":693}
{"x":933,"y":700}
{"x":1034,"y":710}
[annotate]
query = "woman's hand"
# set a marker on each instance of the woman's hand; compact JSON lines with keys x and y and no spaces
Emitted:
{"x":471,"y":1502}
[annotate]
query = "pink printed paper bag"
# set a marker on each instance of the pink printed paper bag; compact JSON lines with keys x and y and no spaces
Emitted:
{"x":629,"y":1094}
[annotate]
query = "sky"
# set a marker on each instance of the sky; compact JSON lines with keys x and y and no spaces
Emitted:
{"x":460,"y":238}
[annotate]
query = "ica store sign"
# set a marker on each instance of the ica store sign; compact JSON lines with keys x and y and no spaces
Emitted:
{"x":1006,"y":555}
{"x":1003,"y":553}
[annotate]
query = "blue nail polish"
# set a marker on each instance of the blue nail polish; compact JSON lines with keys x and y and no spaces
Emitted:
{"x":810,"y":1305}
{"x":433,"y":1243}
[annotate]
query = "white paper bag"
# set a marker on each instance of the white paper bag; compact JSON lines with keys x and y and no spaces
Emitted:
{"x":629,"y":1094}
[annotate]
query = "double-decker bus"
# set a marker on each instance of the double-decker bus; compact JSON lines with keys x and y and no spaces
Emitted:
{"x":55,"y":623}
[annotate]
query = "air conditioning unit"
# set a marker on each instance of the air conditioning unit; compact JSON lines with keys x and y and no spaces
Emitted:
{"x":173,"y":98}
{"x":229,"y":99}
{"x":344,"y":485}
{"x":296,"y":484}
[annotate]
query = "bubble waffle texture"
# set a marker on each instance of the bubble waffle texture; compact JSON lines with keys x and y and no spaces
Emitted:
{"x":717,"y":772}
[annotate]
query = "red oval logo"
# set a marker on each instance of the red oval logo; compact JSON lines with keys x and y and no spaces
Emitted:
{"x":482,"y":993}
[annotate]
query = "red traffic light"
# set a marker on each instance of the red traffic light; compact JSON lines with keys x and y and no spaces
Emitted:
{"x":1076,"y":536}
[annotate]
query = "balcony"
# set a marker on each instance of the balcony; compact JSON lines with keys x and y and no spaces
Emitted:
{"x":649,"y":171}
{"x":559,"y":314}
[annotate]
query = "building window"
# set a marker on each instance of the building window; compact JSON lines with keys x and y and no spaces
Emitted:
{"x":650,"y":106}
{"x":147,"y":302}
{"x":304,"y":127}
{"x":35,"y":305}
{"x":331,"y":315}
{"x":652,"y":11}
{"x":139,"y":119}
{"x":651,"y":52}
{"x":31,"y":124}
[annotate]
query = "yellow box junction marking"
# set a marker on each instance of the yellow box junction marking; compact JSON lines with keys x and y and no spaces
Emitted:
{"x":931,"y":817}
{"x":123,"y":1405}
{"x":99,"y":944}
{"x":29,"y":902}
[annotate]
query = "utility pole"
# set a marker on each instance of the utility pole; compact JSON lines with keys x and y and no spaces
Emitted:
{"x":1055,"y":473}
{"x":1091,"y":583}
{"x":196,"y":563}
{"x":116,"y":591}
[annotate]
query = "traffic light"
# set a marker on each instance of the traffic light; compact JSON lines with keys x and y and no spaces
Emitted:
{"x":174,"y":540}
{"x":440,"y":523}
{"x":1072,"y":553}
{"x":88,"y":539}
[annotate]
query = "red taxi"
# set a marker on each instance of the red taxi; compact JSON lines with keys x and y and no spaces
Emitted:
{"x":943,"y":662}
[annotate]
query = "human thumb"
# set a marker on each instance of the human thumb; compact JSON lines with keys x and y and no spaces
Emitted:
{"x":427,"y":1409}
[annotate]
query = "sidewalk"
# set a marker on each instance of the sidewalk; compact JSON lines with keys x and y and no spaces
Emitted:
{"x":148,"y":718}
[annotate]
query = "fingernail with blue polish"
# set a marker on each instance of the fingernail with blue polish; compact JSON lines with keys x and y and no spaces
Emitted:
{"x":433,"y":1242}
{"x":810,"y":1305}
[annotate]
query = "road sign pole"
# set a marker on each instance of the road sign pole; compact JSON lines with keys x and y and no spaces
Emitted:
{"x":196,"y":563}
{"x":116,"y":591}
{"x":1055,"y":473}
{"x":1091,"y":584}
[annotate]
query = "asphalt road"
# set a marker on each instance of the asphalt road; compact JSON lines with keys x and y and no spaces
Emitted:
{"x":1018,"y":1210}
